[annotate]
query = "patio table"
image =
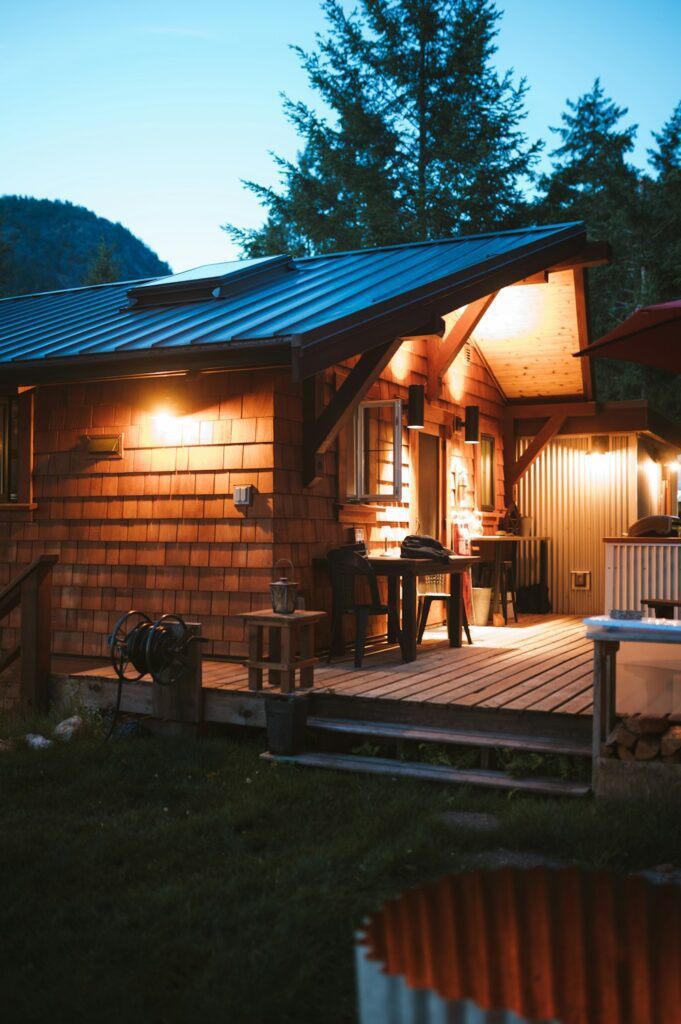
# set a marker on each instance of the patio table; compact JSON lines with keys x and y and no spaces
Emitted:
{"x":408,"y":571}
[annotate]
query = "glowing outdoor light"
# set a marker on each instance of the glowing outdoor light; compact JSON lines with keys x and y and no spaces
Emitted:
{"x":167,"y":425}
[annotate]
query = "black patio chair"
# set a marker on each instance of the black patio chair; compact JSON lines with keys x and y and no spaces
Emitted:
{"x":434,"y":589}
{"x":349,"y":571}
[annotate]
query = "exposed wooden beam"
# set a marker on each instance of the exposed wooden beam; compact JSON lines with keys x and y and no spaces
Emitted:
{"x":320,"y":430}
{"x":581,"y":307}
{"x":594,"y":254}
{"x":442,"y":354}
{"x":518,"y":468}
{"x":527,"y":410}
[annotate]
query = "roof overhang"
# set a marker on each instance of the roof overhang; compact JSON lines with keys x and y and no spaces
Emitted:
{"x":373,"y":326}
{"x":325,"y":347}
{"x":117,"y":365}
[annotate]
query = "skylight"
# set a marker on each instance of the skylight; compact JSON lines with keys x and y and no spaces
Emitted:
{"x":214,"y":280}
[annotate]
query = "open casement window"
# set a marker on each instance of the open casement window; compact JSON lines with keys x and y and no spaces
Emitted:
{"x":16,"y":454}
{"x":374,"y":456}
{"x":9,"y":449}
{"x":486,"y":473}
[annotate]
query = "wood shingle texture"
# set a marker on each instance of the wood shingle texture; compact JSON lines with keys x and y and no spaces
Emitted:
{"x":158,"y":529}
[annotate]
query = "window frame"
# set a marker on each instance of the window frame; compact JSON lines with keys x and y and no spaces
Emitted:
{"x":359,"y":452}
{"x":487,"y":506}
{"x":9,"y":458}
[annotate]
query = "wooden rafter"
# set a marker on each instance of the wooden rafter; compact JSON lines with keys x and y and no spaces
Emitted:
{"x":514,"y":470}
{"x":320,"y":430}
{"x":593,"y":254}
{"x":442,"y":354}
{"x":579,"y":276}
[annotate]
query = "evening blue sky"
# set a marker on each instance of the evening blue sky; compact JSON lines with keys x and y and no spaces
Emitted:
{"x":150,"y":113}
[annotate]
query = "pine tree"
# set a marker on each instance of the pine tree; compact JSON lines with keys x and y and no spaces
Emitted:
{"x":666,"y":159}
{"x":641,"y":218}
{"x":103,"y":268}
{"x":592,"y":180}
{"x":663,"y":211}
{"x":423,"y":140}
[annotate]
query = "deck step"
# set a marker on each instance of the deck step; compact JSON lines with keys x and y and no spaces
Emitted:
{"x":459,"y":737}
{"x":432,"y":773}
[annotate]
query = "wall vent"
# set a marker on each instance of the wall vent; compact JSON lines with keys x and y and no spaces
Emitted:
{"x":580,"y":579}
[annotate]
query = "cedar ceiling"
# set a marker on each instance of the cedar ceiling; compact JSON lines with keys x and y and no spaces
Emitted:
{"x":527,"y":337}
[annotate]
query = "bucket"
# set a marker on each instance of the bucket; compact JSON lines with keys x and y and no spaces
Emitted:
{"x":286,"y":716}
{"x":481,"y":597}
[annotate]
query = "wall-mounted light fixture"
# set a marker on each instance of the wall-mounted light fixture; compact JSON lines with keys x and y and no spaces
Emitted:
{"x":416,"y":406}
{"x":600,"y":444}
{"x":470,"y":425}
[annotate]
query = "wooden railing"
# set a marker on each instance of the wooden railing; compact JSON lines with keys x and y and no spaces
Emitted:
{"x":32,"y":591}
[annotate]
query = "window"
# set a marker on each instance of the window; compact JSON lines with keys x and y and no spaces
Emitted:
{"x":487,"y":473}
{"x":9,"y":449}
{"x":374,"y":471}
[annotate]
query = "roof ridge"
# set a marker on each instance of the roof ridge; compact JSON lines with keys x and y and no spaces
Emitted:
{"x":440,"y":241}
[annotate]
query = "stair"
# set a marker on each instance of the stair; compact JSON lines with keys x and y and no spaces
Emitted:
{"x":458,"y":737}
{"x":484,"y":741}
{"x":432,"y":773}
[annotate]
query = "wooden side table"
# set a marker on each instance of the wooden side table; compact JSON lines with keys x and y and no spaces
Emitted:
{"x":281,"y":662}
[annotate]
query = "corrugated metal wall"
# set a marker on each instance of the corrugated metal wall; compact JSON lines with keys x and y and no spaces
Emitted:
{"x":576,"y":500}
{"x":641,"y":570}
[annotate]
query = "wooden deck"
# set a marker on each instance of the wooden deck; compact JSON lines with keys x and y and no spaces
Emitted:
{"x":542,"y":663}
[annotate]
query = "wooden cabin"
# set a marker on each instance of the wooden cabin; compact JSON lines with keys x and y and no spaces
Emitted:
{"x":171,"y":440}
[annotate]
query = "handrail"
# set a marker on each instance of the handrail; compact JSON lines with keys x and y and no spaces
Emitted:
{"x":10,"y":596}
{"x":32,"y":589}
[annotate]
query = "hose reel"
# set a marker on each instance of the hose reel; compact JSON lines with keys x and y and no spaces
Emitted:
{"x":160,"y":649}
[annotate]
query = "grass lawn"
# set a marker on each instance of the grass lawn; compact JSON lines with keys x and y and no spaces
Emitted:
{"x":174,"y":880}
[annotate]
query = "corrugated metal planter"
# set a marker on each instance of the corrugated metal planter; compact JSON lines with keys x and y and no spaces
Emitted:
{"x":498,"y":947}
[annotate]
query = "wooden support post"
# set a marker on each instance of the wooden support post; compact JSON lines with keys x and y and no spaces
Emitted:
{"x":605,"y":655}
{"x":307,"y":655}
{"x":177,"y":709}
{"x":36,"y":606}
{"x":581,"y":308}
{"x":255,"y":655}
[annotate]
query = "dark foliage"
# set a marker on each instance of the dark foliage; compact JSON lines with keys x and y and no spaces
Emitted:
{"x":53,"y":244}
{"x":423,"y":137}
{"x":638,"y":213}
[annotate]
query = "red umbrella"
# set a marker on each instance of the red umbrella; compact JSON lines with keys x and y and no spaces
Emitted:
{"x":651,"y":336}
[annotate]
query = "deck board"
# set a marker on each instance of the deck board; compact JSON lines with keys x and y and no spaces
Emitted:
{"x":543,"y":663}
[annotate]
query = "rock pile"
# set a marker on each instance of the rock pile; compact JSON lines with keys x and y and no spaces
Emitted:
{"x":646,"y":738}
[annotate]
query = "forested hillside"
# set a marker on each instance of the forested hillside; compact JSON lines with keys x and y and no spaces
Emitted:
{"x":48,"y":244}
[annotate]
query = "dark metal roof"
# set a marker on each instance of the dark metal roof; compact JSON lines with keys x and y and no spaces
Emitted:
{"x":325,"y":308}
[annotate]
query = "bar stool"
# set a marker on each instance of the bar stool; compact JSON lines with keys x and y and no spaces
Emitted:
{"x":508,"y":589}
{"x":435,"y":591}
